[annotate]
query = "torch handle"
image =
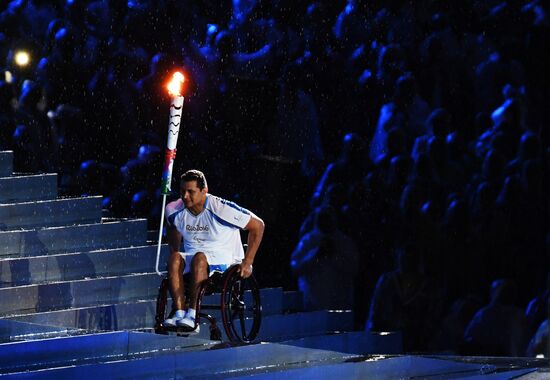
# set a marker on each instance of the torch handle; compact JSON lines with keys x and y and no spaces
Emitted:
{"x":173,"y":131}
{"x":176,"y":107}
{"x":160,"y":235}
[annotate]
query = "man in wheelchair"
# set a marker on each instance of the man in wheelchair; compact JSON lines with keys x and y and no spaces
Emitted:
{"x":210,"y":228}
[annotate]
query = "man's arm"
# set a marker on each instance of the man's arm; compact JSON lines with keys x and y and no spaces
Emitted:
{"x":255,"y":228}
{"x":173,"y":238}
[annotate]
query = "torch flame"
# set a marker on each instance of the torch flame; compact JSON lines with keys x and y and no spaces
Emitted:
{"x":175,"y":85}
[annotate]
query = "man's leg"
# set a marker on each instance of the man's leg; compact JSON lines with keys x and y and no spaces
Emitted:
{"x":199,"y":272}
{"x":176,"y":264}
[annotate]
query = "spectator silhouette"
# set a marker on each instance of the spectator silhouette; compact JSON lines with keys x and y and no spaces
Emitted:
{"x":499,"y":328}
{"x":437,"y":124}
{"x":7,"y":117}
{"x":336,"y":198}
{"x":529,"y":149}
{"x":325,"y":264}
{"x":404,"y":301}
{"x":407,"y":111}
{"x":350,"y":167}
{"x":449,"y":339}
{"x":536,"y":311}
{"x":540,"y":341}
{"x":31,"y":137}
{"x":69,"y":144}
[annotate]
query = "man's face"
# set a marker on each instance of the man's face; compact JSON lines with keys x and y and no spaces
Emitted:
{"x":191,"y":194}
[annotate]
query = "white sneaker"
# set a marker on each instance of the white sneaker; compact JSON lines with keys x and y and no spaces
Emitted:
{"x":173,"y":322}
{"x":188,"y":322}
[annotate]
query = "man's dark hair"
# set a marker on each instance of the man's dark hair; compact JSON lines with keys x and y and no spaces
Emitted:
{"x":194,"y":175}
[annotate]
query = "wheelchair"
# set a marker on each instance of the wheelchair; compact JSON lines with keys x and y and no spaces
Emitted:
{"x":240,"y":306}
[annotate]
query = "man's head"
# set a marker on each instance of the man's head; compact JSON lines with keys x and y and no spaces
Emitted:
{"x":193,"y":189}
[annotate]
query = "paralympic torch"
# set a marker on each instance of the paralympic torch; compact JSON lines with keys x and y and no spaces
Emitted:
{"x":176,"y":107}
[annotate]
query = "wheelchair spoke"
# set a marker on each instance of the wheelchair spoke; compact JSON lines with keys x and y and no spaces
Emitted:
{"x":237,"y":292}
{"x":243,"y":328}
{"x":237,"y":305}
{"x":235,"y":298}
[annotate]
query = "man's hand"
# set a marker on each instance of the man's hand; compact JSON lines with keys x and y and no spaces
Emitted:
{"x":245,"y":269}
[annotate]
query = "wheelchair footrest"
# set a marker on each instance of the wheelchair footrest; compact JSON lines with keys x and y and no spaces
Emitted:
{"x":176,"y":329}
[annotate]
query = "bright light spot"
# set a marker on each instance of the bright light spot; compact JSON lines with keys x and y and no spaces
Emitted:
{"x":22,"y":58}
{"x":174,"y":87}
{"x":375,"y":358}
{"x":540,"y":356}
{"x":8,"y":77}
{"x":384,"y":333}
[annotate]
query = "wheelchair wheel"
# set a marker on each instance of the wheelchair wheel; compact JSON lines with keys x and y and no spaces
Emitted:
{"x":241,"y":308}
{"x":162,"y":300}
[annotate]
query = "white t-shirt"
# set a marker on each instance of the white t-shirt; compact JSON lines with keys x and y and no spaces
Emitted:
{"x":215,"y":231}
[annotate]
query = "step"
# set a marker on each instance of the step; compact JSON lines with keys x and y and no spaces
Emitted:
{"x":6,"y":163}
{"x":388,"y":367}
{"x":50,"y":213}
{"x":86,"y":237}
{"x":282,"y":327}
{"x":93,"y":348}
{"x":11,"y":331}
{"x":278,"y":328}
{"x":273,"y":361}
{"x":130,"y":315}
{"x":293,"y":301}
{"x":63,"y":295}
{"x":76,"y":266}
{"x":219,"y":363}
{"x":24,"y":188}
{"x":355,"y":342}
